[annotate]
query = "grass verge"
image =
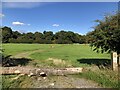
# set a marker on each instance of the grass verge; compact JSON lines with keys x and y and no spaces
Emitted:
{"x":105,"y":78}
{"x":21,"y":82}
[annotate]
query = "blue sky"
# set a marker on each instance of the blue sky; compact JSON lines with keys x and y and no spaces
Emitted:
{"x":77,"y":17}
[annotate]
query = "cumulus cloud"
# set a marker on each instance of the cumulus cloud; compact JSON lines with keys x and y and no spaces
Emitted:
{"x":19,"y":23}
{"x":2,"y":15}
{"x":55,"y":25}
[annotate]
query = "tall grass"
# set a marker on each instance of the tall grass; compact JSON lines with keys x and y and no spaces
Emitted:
{"x":21,"y":82}
{"x":105,"y":78}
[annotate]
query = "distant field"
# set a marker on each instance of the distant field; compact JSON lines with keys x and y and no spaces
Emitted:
{"x":12,"y":49}
{"x":56,"y":54}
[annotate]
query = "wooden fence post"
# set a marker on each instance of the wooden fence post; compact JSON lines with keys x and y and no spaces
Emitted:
{"x":119,"y":60}
{"x":114,"y":61}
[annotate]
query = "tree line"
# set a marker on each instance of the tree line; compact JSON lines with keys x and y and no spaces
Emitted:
{"x":47,"y":37}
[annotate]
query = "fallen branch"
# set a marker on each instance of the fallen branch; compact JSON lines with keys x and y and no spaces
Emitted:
{"x":38,"y":71}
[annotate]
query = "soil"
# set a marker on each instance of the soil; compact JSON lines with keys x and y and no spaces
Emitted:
{"x":68,"y":81}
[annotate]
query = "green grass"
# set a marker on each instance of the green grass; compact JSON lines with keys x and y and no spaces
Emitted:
{"x":21,"y":82}
{"x":12,"y":49}
{"x":70,"y":53}
{"x":105,"y":78}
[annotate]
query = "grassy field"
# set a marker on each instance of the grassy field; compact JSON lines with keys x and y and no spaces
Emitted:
{"x":71,"y":55}
{"x":12,"y":49}
{"x":65,"y":55}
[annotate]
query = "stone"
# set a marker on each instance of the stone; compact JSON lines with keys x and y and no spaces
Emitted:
{"x":43,"y":74}
{"x":52,"y":84}
{"x":31,"y":74}
{"x":44,"y":77}
{"x":17,"y":71}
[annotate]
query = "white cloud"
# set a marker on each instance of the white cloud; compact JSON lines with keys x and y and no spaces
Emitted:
{"x":1,"y":15}
{"x":55,"y":25}
{"x":17,"y":23}
{"x":21,"y":4}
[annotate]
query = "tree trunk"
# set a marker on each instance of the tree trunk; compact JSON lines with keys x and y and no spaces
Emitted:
{"x":37,"y":71}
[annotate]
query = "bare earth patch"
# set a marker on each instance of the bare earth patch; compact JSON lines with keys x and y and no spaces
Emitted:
{"x":25,"y":54}
{"x":64,"y":82}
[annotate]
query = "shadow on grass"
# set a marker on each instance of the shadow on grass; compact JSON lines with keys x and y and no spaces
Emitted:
{"x":101,"y":63}
{"x":7,"y":61}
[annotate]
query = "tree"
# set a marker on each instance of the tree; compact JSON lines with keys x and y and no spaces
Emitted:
{"x":38,"y":38}
{"x":16,"y":34}
{"x":60,"y":37}
{"x":48,"y":37}
{"x":106,"y":36}
{"x":6,"y":34}
{"x":88,"y":37}
{"x":38,"y":35}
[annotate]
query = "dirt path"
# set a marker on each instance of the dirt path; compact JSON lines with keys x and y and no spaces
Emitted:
{"x":25,"y":54}
{"x":64,"y":82}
